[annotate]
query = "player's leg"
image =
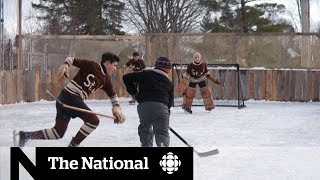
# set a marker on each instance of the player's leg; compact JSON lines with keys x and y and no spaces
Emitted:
{"x":206,"y":96}
{"x":91,"y":122}
{"x":160,"y":125}
{"x":145,"y":131}
{"x":188,"y":99}
{"x":56,"y":132}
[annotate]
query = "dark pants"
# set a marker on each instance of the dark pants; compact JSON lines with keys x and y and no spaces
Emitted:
{"x":71,"y":100}
{"x":154,"y":121}
{"x":201,"y":84}
{"x":64,"y":115}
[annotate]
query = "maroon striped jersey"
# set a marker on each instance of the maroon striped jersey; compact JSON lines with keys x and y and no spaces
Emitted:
{"x":90,"y":77}
{"x":196,"y":72}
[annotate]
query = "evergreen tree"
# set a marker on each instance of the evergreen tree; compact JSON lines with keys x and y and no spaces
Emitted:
{"x":81,"y":17}
{"x":234,"y":17}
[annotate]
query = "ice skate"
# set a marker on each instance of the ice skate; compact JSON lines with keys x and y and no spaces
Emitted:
{"x":19,"y":138}
{"x":209,"y":109}
{"x":73,"y":144}
{"x":188,"y":110}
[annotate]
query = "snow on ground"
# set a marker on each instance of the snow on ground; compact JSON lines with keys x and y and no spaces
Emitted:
{"x":265,"y":140}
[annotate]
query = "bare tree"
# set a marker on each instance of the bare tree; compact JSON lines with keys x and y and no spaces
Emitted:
{"x":298,"y":2}
{"x":164,"y":16}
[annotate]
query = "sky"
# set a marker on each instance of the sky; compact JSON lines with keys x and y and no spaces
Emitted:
{"x":291,"y":7}
{"x":265,"y":140}
{"x":11,"y":11}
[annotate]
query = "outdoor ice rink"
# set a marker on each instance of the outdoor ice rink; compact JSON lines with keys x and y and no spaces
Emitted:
{"x":265,"y":140}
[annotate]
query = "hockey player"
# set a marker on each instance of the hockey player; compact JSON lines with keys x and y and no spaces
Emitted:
{"x":135,"y":64}
{"x":197,"y":74}
{"x":90,"y":77}
{"x":155,"y":98}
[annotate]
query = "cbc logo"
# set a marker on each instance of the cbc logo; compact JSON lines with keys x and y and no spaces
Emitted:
{"x":170,"y":163}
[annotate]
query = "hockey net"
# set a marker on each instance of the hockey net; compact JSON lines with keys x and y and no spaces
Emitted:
{"x":228,"y":94}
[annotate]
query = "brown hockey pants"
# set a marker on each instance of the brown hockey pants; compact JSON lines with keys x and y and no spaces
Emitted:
{"x":188,"y":98}
{"x":207,"y":98}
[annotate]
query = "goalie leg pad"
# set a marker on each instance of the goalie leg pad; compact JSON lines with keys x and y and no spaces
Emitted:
{"x":183,"y":86}
{"x":207,"y":98}
{"x":184,"y":101}
{"x":188,"y":98}
{"x":190,"y":92}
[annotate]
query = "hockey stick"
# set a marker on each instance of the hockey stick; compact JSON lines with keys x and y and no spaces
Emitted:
{"x":76,"y":108}
{"x":200,"y":154}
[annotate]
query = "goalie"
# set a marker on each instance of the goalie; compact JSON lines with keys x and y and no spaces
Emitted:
{"x":196,"y":74}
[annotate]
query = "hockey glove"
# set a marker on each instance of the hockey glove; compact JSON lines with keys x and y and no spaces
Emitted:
{"x":117,"y":113}
{"x":186,"y":76}
{"x":130,"y":67}
{"x":214,"y":79}
{"x":63,"y":71}
{"x":218,"y":82}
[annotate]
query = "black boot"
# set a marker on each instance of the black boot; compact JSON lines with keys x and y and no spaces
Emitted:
{"x":73,"y":144}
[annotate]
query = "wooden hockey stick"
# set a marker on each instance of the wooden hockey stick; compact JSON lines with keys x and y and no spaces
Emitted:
{"x":76,"y":108}
{"x":200,"y":154}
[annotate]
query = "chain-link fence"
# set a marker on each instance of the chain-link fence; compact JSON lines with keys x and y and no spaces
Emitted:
{"x":48,"y":52}
{"x":269,"y":50}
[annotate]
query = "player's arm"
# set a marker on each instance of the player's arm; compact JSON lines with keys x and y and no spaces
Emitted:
{"x":128,"y":63}
{"x":143,"y":65}
{"x":171,"y":96}
{"x":211,"y":77}
{"x":64,"y":68}
{"x":214,"y":79}
{"x":116,"y":109}
{"x":130,"y":81}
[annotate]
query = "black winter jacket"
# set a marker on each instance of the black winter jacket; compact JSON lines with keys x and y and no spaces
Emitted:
{"x":150,"y":85}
